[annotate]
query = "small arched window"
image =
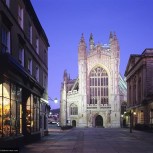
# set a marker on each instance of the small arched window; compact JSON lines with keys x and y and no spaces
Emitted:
{"x":73,"y":109}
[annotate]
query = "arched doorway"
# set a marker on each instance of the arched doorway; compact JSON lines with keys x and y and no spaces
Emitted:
{"x":99,"y":121}
{"x":74,"y":123}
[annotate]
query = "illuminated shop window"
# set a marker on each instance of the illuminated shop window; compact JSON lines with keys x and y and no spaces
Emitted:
{"x":98,"y":86}
{"x":32,"y":114}
{"x":10,"y":109}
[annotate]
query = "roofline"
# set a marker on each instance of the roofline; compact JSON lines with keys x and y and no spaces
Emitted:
{"x":34,"y":17}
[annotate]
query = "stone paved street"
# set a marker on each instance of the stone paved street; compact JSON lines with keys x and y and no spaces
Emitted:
{"x":93,"y":140}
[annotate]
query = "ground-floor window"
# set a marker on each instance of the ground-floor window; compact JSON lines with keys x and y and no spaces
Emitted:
{"x":141,"y":117}
{"x":32,"y":114}
{"x":151,"y":116}
{"x":10,"y":109}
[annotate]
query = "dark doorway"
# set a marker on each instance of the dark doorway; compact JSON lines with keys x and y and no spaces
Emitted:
{"x":74,"y":123}
{"x":99,"y":121}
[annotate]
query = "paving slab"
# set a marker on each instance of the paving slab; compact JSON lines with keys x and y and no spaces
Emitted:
{"x":93,"y":140}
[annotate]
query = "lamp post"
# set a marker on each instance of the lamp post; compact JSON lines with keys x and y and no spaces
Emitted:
{"x":55,"y":100}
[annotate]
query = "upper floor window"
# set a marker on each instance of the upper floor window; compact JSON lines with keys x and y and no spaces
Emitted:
{"x":5,"y":40}
{"x":30,"y":33}
{"x":30,"y":65}
{"x":37,"y":73}
{"x":139,"y":90}
{"x":20,"y":16}
{"x":130,"y":95}
{"x":21,"y":56}
{"x":37,"y":45}
{"x":44,"y":81}
{"x":73,"y":109}
{"x":45,"y":56}
{"x":134,"y":91}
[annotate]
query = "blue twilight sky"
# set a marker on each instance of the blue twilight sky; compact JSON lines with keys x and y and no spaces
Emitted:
{"x":65,"y":20}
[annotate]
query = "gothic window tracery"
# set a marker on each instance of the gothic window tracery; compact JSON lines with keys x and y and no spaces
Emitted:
{"x":98,"y":86}
{"x":73,"y":109}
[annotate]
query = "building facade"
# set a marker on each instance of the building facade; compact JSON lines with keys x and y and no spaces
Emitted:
{"x":94,"y":98}
{"x":23,"y":74}
{"x":139,"y":77}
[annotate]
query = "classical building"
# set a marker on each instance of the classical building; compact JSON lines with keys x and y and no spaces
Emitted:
{"x":139,"y":77}
{"x":23,"y":74}
{"x":95,"y":97}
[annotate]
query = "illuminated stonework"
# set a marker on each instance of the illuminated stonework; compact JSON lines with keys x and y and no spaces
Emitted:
{"x":98,"y":91}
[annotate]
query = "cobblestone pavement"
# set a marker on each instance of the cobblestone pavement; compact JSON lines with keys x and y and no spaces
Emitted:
{"x":93,"y":140}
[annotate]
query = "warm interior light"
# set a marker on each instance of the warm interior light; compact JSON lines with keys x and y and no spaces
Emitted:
{"x":134,"y":113}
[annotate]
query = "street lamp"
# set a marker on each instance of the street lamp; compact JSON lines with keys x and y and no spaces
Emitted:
{"x":55,"y":100}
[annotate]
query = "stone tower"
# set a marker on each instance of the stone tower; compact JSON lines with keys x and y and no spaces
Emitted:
{"x":94,"y":98}
{"x":82,"y":70}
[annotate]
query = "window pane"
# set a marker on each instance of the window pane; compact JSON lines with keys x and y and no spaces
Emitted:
{"x":6,"y":117}
{"x":98,"y":91}
{"x":5,"y":41}
{"x":28,"y":118}
{"x":95,"y":81}
{"x":20,"y":122}
{"x":13,"y":91}
{"x":100,"y":86}
{"x":0,"y":89}
{"x":0,"y":116}
{"x":28,"y":115}
{"x":13,"y":117}
{"x":32,"y":113}
{"x":38,"y":112}
{"x":102,"y":82}
{"x":98,"y":81}
{"x":6,"y":90}
{"x":19,"y":94}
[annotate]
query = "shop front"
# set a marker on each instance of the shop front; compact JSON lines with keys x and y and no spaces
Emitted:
{"x":19,"y":106}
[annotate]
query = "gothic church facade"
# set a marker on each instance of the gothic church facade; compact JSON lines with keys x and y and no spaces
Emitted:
{"x":95,"y":97}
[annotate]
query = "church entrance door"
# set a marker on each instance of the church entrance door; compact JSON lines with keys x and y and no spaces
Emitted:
{"x":74,"y":123}
{"x":99,"y":121}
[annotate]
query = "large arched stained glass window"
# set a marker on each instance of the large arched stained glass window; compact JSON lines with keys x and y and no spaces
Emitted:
{"x":98,"y":86}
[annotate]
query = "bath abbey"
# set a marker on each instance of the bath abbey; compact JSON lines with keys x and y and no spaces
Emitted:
{"x":94,"y":98}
